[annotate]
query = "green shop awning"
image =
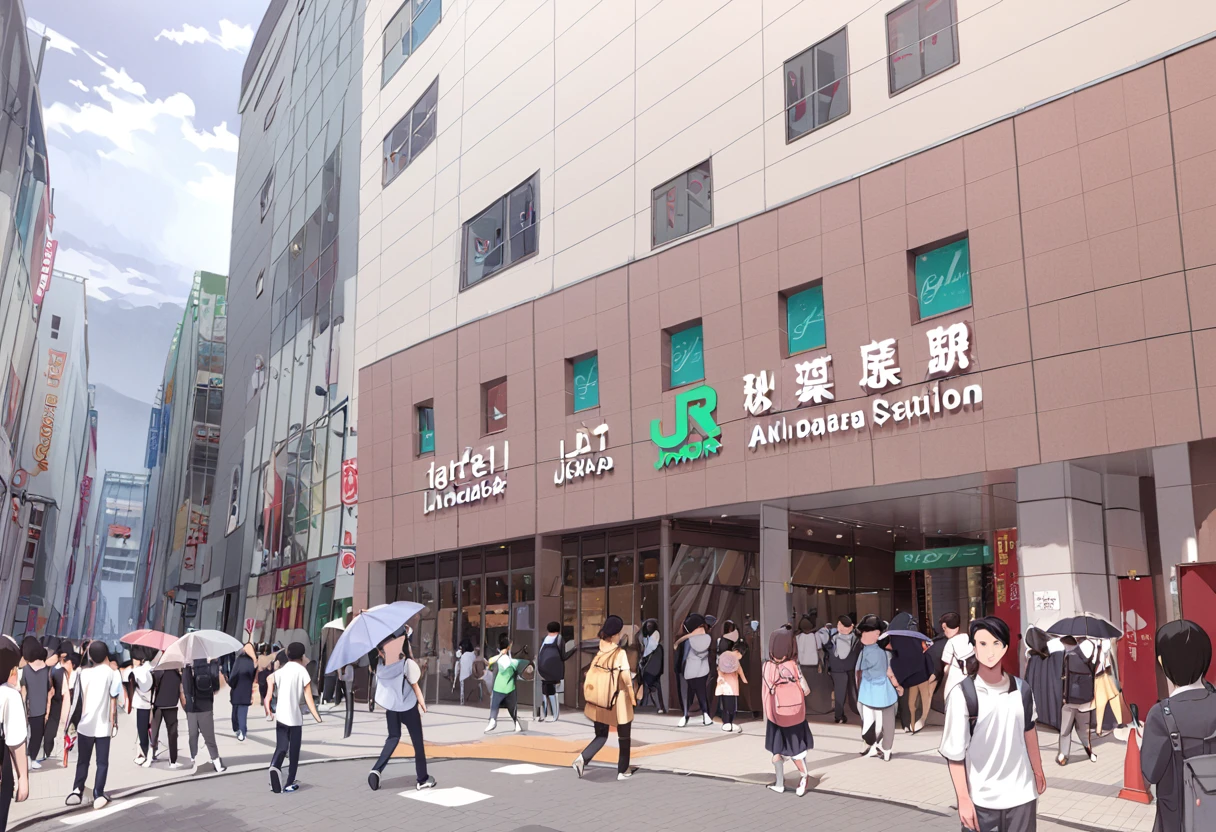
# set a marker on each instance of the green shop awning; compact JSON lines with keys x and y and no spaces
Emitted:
{"x":973,"y":554}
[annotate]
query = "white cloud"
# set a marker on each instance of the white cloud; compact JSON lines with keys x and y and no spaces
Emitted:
{"x":219,"y":139}
{"x":80,"y":85}
{"x":120,"y":80}
{"x":230,"y":37}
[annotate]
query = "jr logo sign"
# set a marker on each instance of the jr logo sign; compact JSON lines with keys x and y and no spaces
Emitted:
{"x":694,"y":406}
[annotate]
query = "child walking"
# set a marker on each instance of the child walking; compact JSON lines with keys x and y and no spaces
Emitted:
{"x":783,"y":694}
{"x":504,"y":683}
{"x":730,"y":677}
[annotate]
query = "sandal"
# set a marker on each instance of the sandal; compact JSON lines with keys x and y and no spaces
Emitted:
{"x":73,"y":799}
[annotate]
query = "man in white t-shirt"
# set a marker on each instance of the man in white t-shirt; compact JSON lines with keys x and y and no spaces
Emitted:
{"x":958,"y":649}
{"x":16,"y":733}
{"x":98,"y":688}
{"x":291,"y":681}
{"x":991,"y":741}
{"x":141,"y":677}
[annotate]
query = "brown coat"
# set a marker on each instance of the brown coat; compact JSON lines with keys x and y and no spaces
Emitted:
{"x":622,"y":714}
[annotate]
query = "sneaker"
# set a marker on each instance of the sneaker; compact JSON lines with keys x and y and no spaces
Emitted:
{"x":683,"y":721}
{"x":518,"y":727}
{"x":801,"y":790}
{"x":147,"y":763}
{"x":886,"y":755}
{"x":373,"y":780}
{"x":726,"y":726}
{"x":1061,"y":760}
{"x":292,"y":787}
{"x":218,"y":765}
{"x":35,"y":765}
{"x":871,"y":751}
{"x":738,"y":729}
{"x":779,"y":788}
{"x":73,"y":799}
{"x":175,"y":765}
{"x":578,"y":766}
{"x":706,"y":719}
{"x":276,"y":780}
{"x":490,"y":726}
{"x":430,"y":783}
{"x":100,"y":801}
{"x":139,"y":760}
{"x":1093,"y":758}
{"x":662,"y":711}
{"x":240,"y":737}
{"x":625,"y":775}
{"x":540,"y":718}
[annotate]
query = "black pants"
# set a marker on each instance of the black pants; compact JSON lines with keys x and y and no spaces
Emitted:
{"x":696,"y":688}
{"x":8,"y":785}
{"x":506,"y":700}
{"x":728,"y":707}
{"x":653,"y":692}
{"x":84,"y":752}
{"x":143,"y":723}
{"x":601,"y":737}
{"x":844,"y":688}
{"x":169,"y":717}
{"x":37,"y":726}
{"x":240,"y":718}
{"x":287,"y":744}
{"x":412,"y":720}
{"x":52,"y":726}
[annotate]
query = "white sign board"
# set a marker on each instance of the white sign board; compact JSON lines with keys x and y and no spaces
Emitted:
{"x":451,"y":485}
{"x":582,"y":461}
{"x":1047,"y":600}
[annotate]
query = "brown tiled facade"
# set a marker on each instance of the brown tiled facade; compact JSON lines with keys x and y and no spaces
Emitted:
{"x":1092,"y":230}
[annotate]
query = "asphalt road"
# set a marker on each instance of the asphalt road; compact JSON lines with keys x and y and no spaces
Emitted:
{"x":335,"y":796}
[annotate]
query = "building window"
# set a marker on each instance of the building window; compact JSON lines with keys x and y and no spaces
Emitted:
{"x":426,"y":429}
{"x":267,"y":195}
{"x":501,"y":235}
{"x":943,"y":279}
{"x":410,"y":26}
{"x":234,"y":500}
{"x":804,"y":324}
{"x":922,"y":40}
{"x":494,"y":398}
{"x":259,"y":284}
{"x":12,"y":401}
{"x":682,"y":205}
{"x":687,"y":355}
{"x":817,"y":86}
{"x":586,"y":382}
{"x":411,"y":135}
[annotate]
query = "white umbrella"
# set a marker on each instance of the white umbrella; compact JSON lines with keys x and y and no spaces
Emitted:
{"x":336,"y":624}
{"x":201,"y":644}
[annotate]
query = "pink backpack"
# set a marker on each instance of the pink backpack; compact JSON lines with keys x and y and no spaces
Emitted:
{"x":783,"y":697}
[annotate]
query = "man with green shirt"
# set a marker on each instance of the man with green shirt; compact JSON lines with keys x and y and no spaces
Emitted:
{"x":504,"y":683}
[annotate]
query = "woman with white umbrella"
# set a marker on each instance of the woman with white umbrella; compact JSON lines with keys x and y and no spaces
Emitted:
{"x":398,"y":693}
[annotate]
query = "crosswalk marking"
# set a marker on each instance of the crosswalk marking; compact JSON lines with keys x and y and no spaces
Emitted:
{"x":77,"y":818}
{"x":453,"y":797}
{"x":521,"y":768}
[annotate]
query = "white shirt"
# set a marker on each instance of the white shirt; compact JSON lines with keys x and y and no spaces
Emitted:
{"x":98,"y":687}
{"x":696,"y":661}
{"x":957,"y":647}
{"x":650,"y":644}
{"x":143,"y":687}
{"x":808,"y":648}
{"x":289,"y":682}
{"x":466,"y":663}
{"x":998,"y":762}
{"x":12,"y":716}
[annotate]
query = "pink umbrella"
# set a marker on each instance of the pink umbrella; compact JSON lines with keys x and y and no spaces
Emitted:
{"x":148,"y":638}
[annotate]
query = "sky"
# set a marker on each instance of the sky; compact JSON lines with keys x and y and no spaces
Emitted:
{"x":140,"y":103}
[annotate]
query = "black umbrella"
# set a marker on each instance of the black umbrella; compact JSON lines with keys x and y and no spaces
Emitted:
{"x":1086,"y":625}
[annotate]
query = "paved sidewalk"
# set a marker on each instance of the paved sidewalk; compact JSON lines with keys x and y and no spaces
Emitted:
{"x":1083,"y":793}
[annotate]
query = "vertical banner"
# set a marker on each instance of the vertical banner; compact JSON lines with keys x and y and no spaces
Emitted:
{"x":1137,"y":662}
{"x":1008,"y":599}
{"x":45,"y":270}
{"x":1197,"y":594}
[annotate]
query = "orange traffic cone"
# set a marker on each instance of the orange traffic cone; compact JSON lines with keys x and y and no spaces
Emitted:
{"x":1134,"y":787}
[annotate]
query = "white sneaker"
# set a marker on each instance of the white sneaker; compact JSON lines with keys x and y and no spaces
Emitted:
{"x":872,"y":752}
{"x":706,"y":719}
{"x":726,"y":726}
{"x":100,"y":801}
{"x":886,"y":755}
{"x":490,"y":726}
{"x":139,"y":759}
{"x":147,"y":763}
{"x":218,"y":765}
{"x":34,"y":764}
{"x":175,"y":765}
{"x":625,"y":775}
{"x":578,"y":765}
{"x":683,"y":721}
{"x":518,"y":728}
{"x":801,"y":790}
{"x":738,"y":729}
{"x":779,"y":788}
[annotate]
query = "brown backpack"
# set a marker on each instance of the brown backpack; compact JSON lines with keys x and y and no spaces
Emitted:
{"x":603,"y":681}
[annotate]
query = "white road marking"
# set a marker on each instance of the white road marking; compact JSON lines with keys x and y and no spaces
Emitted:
{"x":521,"y":768}
{"x":453,"y":797}
{"x":88,"y":816}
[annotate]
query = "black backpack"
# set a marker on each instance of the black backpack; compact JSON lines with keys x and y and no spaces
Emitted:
{"x":204,"y":677}
{"x":971,"y":697}
{"x":1198,"y":775}
{"x":1078,"y":678}
{"x":549,"y":663}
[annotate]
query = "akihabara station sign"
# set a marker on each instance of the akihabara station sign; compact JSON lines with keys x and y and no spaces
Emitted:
{"x":470,"y":479}
{"x":949,"y":351}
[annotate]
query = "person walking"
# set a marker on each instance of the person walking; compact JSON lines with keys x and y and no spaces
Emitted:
{"x":505,"y":692}
{"x":14,"y":769}
{"x":730,"y":678}
{"x":200,"y":681}
{"x":878,"y":691}
{"x":608,"y":691}
{"x":1181,"y":726}
{"x":650,"y":666}
{"x":783,"y":697}
{"x":240,"y":689}
{"x":35,"y":680}
{"x":55,"y":712}
{"x":466,"y":658}
{"x":810,"y":642}
{"x":990,"y":739}
{"x":398,"y":693}
{"x":842,"y":647}
{"x":696,"y":667}
{"x":910,"y":663}
{"x":290,"y":682}
{"x":1078,"y":705}
{"x":166,"y":694}
{"x":141,"y":699}
{"x":551,"y":665}
{"x":956,"y":653}
{"x":98,"y":688}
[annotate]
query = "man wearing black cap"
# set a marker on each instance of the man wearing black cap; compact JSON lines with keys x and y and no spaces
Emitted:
{"x":291,"y":681}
